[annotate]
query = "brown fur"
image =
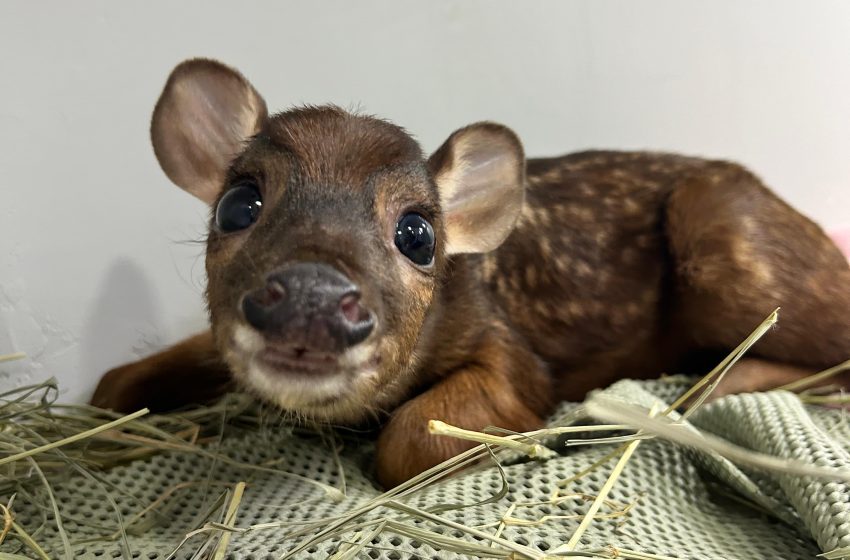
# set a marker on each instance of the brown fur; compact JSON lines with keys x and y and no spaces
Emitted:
{"x":619,"y":265}
{"x":189,"y":372}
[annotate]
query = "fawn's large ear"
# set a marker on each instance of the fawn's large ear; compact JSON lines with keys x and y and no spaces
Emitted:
{"x":480,"y":174}
{"x":201,"y":121}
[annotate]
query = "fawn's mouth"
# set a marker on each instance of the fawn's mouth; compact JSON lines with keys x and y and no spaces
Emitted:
{"x":295,"y":377}
{"x":297,"y":360}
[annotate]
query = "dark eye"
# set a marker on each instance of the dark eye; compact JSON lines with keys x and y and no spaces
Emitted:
{"x":414,"y":237}
{"x":238,"y":208}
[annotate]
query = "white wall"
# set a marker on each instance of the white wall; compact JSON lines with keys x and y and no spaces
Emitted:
{"x":97,"y":263}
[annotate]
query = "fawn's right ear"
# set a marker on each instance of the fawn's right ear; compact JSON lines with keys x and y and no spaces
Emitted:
{"x":201,"y":121}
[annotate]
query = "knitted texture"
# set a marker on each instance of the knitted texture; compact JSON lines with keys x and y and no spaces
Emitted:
{"x":680,"y":503}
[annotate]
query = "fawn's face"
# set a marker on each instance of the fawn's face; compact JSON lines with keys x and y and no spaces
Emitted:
{"x":329,"y":234}
{"x":323,"y":256}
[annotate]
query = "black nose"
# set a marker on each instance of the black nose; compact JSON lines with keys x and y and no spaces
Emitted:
{"x":310,"y":305}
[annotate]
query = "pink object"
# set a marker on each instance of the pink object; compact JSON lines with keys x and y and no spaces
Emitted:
{"x":842,"y":239}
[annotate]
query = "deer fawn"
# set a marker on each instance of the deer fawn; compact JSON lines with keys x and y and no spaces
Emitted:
{"x":350,"y":277}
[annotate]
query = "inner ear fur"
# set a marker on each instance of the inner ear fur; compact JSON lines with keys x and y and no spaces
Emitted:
{"x":203,"y":117}
{"x":480,"y":175}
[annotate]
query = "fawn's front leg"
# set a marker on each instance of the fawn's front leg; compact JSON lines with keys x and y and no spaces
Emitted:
{"x":507,"y":388}
{"x":189,"y":372}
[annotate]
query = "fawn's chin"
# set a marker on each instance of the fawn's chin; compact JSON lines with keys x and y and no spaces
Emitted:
{"x":296,"y":390}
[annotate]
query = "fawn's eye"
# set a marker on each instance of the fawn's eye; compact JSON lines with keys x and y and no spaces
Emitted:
{"x":239,"y":207}
{"x":414,"y":237}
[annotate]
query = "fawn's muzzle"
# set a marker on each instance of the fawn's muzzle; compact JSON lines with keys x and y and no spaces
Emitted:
{"x":309,"y":307}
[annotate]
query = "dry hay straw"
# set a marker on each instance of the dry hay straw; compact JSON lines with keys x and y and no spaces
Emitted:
{"x":42,"y":441}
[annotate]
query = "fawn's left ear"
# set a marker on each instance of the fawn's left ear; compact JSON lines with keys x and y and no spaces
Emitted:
{"x":480,"y":174}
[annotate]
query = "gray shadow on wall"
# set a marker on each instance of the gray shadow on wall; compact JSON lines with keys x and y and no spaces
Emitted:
{"x":123,"y":324}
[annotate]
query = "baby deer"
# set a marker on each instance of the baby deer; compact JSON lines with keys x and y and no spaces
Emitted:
{"x":350,"y":277}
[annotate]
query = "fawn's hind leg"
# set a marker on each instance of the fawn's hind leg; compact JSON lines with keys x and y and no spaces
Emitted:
{"x":739,"y":252}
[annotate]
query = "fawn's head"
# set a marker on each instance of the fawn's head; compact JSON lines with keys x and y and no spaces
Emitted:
{"x":330,"y":234}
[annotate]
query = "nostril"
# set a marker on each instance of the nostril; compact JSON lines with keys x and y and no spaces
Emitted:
{"x":351,"y":309}
{"x":258,"y":306}
{"x":274,"y":293}
{"x":359,"y":323}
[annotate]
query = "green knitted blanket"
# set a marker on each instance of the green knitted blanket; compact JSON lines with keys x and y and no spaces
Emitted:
{"x":668,"y":502}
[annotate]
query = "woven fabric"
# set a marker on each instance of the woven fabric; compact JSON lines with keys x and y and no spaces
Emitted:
{"x":680,"y":503}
